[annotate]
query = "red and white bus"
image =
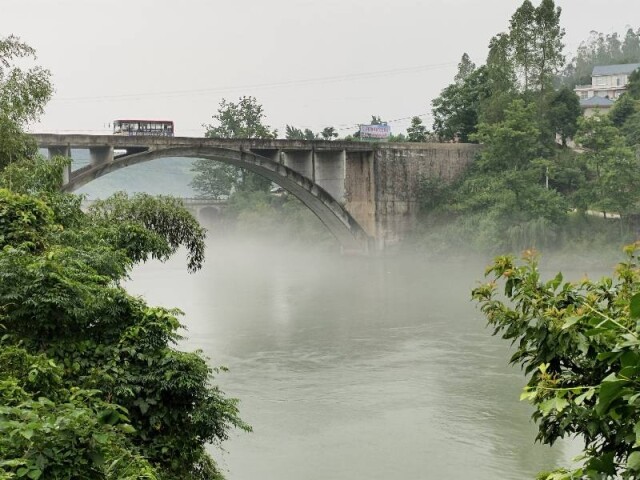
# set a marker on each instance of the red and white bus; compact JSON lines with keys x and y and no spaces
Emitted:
{"x":159,"y":128}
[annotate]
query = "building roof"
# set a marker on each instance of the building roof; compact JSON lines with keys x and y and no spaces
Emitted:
{"x":625,"y":68}
{"x":596,"y":102}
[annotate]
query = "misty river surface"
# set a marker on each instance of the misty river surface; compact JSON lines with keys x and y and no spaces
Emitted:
{"x":353,"y":368}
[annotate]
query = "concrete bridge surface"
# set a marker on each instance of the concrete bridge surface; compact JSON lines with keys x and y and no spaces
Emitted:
{"x":365,"y":193}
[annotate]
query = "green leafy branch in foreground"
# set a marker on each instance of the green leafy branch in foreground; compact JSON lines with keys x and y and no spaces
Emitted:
{"x":580,"y":344}
{"x":91,"y":384}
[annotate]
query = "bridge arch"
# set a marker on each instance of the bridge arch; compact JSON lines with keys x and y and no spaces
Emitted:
{"x":331,"y":213}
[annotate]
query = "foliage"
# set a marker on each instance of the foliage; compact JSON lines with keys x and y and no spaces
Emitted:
{"x":244,"y":119}
{"x":633,"y":88}
{"x":615,"y":182}
{"x":417,"y":132}
{"x":329,"y":133}
{"x":164,"y":217}
{"x":456,"y":110}
{"x":236,"y":120}
{"x":624,"y":107}
{"x":293,"y":133}
{"x":91,"y":384}
{"x":579,"y":343}
{"x":23,"y":95}
{"x":511,"y":144}
{"x":564,"y":112}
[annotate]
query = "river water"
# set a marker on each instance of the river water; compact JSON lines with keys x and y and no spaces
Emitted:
{"x":353,"y":368}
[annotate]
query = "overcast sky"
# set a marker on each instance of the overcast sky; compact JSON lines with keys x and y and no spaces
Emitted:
{"x":310,"y":63}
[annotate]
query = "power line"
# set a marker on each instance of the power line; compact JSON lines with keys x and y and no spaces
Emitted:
{"x":289,"y":83}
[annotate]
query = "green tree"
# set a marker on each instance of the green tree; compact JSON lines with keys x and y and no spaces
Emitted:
{"x":329,"y":133}
{"x":615,"y":182}
{"x":579,"y":344}
{"x":564,"y":112}
{"x":501,"y":84}
{"x":416,"y":132}
{"x":511,"y":144}
{"x":456,"y":110}
{"x":523,"y":37}
{"x":293,"y":133}
{"x":465,"y":68}
{"x":631,"y":47}
{"x":633,"y":88}
{"x":624,"y":107}
{"x":120,"y":401}
{"x":23,"y":96}
{"x":548,"y":57}
{"x":631,"y":130}
{"x":244,"y":119}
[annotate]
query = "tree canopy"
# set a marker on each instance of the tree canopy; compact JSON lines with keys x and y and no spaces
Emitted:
{"x":24,"y":92}
{"x":91,"y":382}
{"x":244,"y":119}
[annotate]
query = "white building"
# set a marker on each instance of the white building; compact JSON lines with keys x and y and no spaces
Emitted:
{"x":608,"y":82}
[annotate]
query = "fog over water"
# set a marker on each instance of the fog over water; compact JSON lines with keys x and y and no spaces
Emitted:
{"x":353,"y":367}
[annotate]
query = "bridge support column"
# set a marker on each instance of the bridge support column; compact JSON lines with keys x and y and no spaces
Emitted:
{"x":62,"y":151}
{"x":330,"y":172}
{"x":300,"y":161}
{"x":101,"y":155}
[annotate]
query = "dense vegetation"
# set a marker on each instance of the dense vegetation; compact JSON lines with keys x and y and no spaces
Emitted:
{"x":579,"y":343}
{"x":528,"y":188}
{"x":91,"y":384}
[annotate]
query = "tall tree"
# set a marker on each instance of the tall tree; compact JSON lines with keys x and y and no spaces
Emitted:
{"x":631,"y":47}
{"x":23,"y":96}
{"x":564,"y":112}
{"x":465,"y":68}
{"x":615,"y":183}
{"x":416,"y":132}
{"x":244,"y":119}
{"x":513,"y":143}
{"x":329,"y":133}
{"x":293,"y":133}
{"x":548,"y":57}
{"x":456,"y":110}
{"x":523,"y":37}
{"x":501,"y":80}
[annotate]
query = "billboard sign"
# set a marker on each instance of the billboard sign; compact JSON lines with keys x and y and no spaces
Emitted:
{"x":375,"y":131}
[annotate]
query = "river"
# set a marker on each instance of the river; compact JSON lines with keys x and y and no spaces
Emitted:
{"x":353,"y":368}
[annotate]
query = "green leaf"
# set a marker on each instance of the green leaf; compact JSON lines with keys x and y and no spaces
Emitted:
{"x":34,"y":474}
{"x":633,"y":462}
{"x":561,"y":404}
{"x":634,"y":306}
{"x":100,"y":438}
{"x":609,"y":392}
{"x":569,"y":322}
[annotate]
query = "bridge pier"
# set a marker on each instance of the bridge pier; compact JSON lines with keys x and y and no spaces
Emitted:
{"x":300,"y":161}
{"x":101,"y":155}
{"x":329,"y":172}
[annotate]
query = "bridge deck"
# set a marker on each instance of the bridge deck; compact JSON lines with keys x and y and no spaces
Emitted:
{"x":47,"y":140}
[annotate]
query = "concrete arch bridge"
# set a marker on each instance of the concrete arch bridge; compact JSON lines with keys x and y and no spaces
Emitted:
{"x":364,"y":193}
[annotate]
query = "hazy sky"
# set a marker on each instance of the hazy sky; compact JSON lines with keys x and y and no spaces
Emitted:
{"x":310,"y":63}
